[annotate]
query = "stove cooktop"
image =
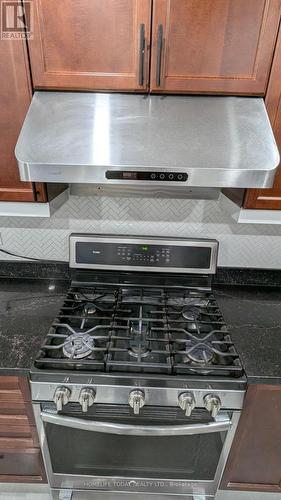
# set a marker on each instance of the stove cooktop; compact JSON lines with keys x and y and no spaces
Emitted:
{"x":140,"y":329}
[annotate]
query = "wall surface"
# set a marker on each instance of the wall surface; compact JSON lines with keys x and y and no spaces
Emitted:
{"x":241,"y":245}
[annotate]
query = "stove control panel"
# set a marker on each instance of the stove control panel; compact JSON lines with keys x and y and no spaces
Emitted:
{"x":137,"y":398}
{"x":144,"y":255}
{"x":155,"y":254}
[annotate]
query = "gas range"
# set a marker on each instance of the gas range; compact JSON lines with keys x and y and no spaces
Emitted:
{"x":139,"y":335}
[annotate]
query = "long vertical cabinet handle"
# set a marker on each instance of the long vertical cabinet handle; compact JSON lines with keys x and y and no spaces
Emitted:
{"x":141,"y":54}
{"x":159,"y":54}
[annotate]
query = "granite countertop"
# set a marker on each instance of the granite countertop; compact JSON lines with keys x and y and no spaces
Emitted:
{"x":29,"y":305}
{"x":27,"y":309}
{"x":253,"y":315}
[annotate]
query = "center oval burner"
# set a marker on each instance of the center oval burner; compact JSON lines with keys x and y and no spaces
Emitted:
{"x":139,"y":344}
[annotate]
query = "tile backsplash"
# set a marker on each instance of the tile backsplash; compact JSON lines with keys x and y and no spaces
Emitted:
{"x":241,"y":245}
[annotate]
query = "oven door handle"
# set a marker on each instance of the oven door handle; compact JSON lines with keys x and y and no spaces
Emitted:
{"x":220,"y":424}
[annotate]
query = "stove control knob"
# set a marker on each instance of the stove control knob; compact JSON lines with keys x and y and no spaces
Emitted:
{"x":187,"y":402}
{"x":212,"y":404}
{"x":86,"y":398}
{"x":61,"y":397}
{"x":136,"y":400}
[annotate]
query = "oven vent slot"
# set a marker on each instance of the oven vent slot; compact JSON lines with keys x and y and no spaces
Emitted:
{"x":118,"y":412}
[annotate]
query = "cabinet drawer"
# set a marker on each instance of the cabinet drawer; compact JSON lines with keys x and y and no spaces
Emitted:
{"x":14,"y":426}
{"x":7,"y":382}
{"x":12,"y":408}
{"x":20,"y":463}
{"x":17,"y":408}
{"x":11,"y":395}
{"x":14,"y":389}
{"x":15,"y":443}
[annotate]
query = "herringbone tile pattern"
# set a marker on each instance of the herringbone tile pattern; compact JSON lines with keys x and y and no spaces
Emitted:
{"x":241,"y":245}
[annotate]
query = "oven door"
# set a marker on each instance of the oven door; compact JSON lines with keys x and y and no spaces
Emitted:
{"x":160,"y":451}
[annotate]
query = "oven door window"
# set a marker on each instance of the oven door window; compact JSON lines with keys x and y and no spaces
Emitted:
{"x":185,"y":457}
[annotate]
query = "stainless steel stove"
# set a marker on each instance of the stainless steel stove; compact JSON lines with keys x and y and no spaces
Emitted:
{"x":138,"y":387}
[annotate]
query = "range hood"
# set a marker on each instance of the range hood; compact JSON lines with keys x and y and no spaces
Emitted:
{"x":138,"y":140}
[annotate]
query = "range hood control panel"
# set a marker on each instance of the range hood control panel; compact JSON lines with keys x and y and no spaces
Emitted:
{"x":126,"y":175}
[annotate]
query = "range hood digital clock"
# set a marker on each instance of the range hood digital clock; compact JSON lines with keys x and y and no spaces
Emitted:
{"x":137,"y":140}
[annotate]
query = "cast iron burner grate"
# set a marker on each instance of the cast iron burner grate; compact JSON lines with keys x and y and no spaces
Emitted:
{"x":141,"y":330}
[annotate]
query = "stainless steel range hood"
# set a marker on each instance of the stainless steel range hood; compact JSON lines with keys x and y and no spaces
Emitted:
{"x":136,"y":140}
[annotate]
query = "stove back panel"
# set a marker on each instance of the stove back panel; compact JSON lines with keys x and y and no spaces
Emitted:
{"x":143,"y":254}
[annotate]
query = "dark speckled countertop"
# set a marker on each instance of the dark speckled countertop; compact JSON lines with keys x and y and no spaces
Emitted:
{"x":27,"y":309}
{"x":28,"y":305}
{"x":253,"y":315}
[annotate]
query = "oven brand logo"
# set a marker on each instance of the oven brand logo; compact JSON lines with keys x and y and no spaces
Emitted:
{"x":16,"y":20}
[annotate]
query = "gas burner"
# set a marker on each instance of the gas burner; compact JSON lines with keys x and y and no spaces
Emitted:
{"x":188,"y":301}
{"x":89,"y":309}
{"x":82,"y":297}
{"x":191,"y":313}
{"x":201,"y":353}
{"x":139,"y":351}
{"x":78,"y":346}
{"x":90,"y":296}
{"x":138,"y":341}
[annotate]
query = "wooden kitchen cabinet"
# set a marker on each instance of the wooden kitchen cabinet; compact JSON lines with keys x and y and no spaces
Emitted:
{"x":254,"y":463}
{"x":270,"y":199}
{"x":15,"y":95}
{"x":20,"y":454}
{"x":91,"y":44}
{"x":213,"y":46}
{"x":200,"y":46}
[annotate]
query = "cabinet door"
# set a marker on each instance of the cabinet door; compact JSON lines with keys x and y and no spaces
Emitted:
{"x":20,"y":465}
{"x":20,"y":455}
{"x":270,"y":199}
{"x":213,"y":46}
{"x":91,"y":44}
{"x":254,"y":463}
{"x":15,"y":95}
